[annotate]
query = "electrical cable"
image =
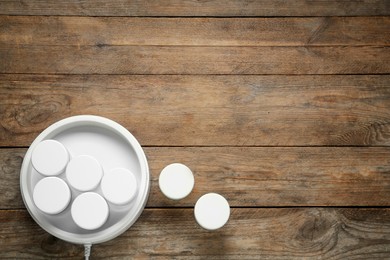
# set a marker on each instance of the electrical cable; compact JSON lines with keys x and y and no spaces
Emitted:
{"x":87,"y":251}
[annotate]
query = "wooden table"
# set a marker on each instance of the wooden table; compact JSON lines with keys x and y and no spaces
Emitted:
{"x":281,"y":107}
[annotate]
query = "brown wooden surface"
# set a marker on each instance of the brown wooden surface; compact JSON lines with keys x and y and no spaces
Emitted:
{"x":296,"y":233}
{"x":102,"y":59}
{"x":196,"y":8}
{"x":206,"y":110}
{"x":80,"y":31}
{"x":283,"y":107}
{"x":255,"y":176}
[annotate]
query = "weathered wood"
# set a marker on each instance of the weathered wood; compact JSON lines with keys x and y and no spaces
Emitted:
{"x":196,"y":8}
{"x":313,"y":233}
{"x":252,"y":177}
{"x":268,"y":143}
{"x":205,"y":110}
{"x":102,"y":59}
{"x":329,"y":31}
{"x":10,"y":164}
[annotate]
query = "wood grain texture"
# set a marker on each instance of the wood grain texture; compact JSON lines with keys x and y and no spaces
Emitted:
{"x":267,"y":101}
{"x":10,"y":165}
{"x":255,"y":177}
{"x":205,"y":110}
{"x":80,"y":31}
{"x":229,"y":8}
{"x":296,"y":233}
{"x":102,"y":59}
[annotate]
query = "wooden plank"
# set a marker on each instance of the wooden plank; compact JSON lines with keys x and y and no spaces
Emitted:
{"x":10,"y":165}
{"x":255,"y":176}
{"x":329,"y":31}
{"x":295,"y":233}
{"x":196,"y":8}
{"x":205,"y":110}
{"x":103,"y":59}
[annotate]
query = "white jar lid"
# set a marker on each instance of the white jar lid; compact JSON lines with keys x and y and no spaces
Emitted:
{"x":119,"y":186}
{"x":89,"y":211}
{"x":176,"y":181}
{"x":212,"y":211}
{"x":84,"y":173}
{"x":49,"y":158}
{"x":51,"y":195}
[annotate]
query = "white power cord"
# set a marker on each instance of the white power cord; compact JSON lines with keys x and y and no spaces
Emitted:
{"x":87,"y":251}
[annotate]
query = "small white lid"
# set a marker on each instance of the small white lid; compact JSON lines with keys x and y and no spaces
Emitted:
{"x":49,"y":157}
{"x":90,"y":211}
{"x":176,"y":181}
{"x":84,"y":173}
{"x":212,"y":211}
{"x":51,"y":195}
{"x":119,"y":186}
